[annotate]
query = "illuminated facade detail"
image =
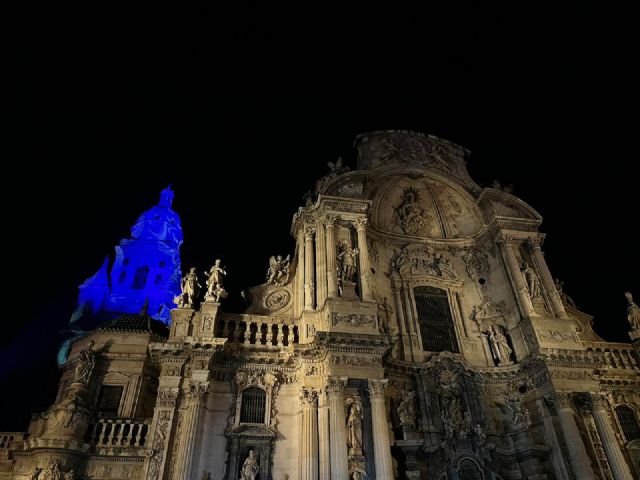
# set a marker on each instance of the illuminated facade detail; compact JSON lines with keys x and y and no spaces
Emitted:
{"x":417,"y":333}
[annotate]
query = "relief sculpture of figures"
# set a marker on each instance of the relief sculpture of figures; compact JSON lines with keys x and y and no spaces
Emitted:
{"x":250,"y":467}
{"x":533,"y":283}
{"x":406,"y":410}
{"x":190,"y":289}
{"x":347,"y":261}
{"x":53,"y":473}
{"x":36,"y":474}
{"x":354,"y":428}
{"x":410,"y":214}
{"x":86,"y":363}
{"x":278,"y":273}
{"x":633,"y":312}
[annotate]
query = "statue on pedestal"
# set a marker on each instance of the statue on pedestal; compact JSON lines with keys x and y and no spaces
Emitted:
{"x":354,"y":429}
{"x":347,"y":261}
{"x":532,"y":280}
{"x":190,"y":289}
{"x":633,"y":312}
{"x":500,"y":348}
{"x":250,"y":467}
{"x":278,"y":273}
{"x":214,"y":280}
{"x":86,"y":363}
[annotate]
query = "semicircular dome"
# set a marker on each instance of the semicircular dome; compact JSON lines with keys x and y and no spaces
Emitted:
{"x":423,"y":206}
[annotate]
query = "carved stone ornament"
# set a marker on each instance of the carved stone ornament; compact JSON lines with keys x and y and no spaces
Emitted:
{"x":633,"y":312}
{"x":86,"y":364}
{"x":411,"y":217}
{"x":476,"y":263}
{"x":277,"y":300}
{"x":352,"y":319}
{"x":308,"y":397}
{"x":167,"y":398}
{"x":422,"y":260}
{"x":406,"y":409}
{"x":278,"y":273}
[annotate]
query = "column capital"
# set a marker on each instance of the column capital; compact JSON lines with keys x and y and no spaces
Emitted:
{"x":565,"y":400}
{"x":308,"y":233}
{"x":377,"y":386}
{"x":534,"y":243}
{"x":197,"y":393}
{"x":330,"y":220}
{"x":308,"y":397}
{"x":167,"y":398}
{"x":336,"y":384}
{"x":361,"y":223}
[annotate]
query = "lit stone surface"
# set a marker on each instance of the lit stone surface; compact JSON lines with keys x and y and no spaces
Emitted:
{"x":417,"y":332}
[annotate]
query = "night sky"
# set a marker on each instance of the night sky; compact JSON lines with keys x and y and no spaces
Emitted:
{"x":243,"y":124}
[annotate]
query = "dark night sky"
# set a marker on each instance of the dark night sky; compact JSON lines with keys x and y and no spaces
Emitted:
{"x":243,"y":123}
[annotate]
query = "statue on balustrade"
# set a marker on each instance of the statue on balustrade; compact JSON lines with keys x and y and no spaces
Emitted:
{"x":190,"y":289}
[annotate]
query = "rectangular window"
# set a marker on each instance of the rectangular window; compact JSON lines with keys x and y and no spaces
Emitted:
{"x":109,"y":400}
{"x":436,"y":322}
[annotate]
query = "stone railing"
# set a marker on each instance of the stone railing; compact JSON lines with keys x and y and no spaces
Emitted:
{"x":111,"y":435}
{"x":616,"y":355}
{"x":257,"y":330}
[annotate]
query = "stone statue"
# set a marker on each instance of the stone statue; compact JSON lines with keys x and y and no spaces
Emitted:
{"x":481,"y":436}
{"x":190,"y":289}
{"x":633,"y":312}
{"x":347,"y":261}
{"x":384,"y":316}
{"x":36,"y":474}
{"x":278,"y":273}
{"x":337,"y":168}
{"x":520,"y":416}
{"x":216,"y":294}
{"x":250,"y":467}
{"x":563,"y":296}
{"x":533,"y":283}
{"x":500,"y":348}
{"x":214,"y":279}
{"x":69,"y":475}
{"x":406,"y":410}
{"x":86,"y":363}
{"x":53,"y":473}
{"x":354,"y":429}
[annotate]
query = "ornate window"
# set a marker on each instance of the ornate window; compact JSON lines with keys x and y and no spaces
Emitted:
{"x":628,"y":423}
{"x":253,"y":405}
{"x":140,"y":279}
{"x":436,"y":322}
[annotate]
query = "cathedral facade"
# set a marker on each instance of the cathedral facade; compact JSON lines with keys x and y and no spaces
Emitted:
{"x":415,"y":333}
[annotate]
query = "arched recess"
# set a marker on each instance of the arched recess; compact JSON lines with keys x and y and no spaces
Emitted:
{"x":628,"y":421}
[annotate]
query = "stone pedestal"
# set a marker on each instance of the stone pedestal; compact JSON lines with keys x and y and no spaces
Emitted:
{"x":349,"y":291}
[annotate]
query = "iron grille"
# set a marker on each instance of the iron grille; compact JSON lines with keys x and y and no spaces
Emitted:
{"x":436,"y":323}
{"x":253,"y":405}
{"x":628,"y":423}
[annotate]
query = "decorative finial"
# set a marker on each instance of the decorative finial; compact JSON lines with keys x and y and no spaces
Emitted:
{"x":166,"y":197}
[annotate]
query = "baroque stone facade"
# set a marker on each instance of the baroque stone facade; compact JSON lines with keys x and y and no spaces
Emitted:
{"x":416,"y":332}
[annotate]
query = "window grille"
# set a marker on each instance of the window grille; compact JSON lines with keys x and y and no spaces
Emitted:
{"x":436,"y":323}
{"x":628,"y":423}
{"x":253,"y":405}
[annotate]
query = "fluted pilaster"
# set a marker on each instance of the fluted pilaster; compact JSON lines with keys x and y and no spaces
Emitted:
{"x":513,"y":270}
{"x":337,"y":420}
{"x":542,"y":268}
{"x":602,"y":418}
{"x":365,"y":264}
{"x":381,"y":444}
{"x":309,"y":438}
{"x":309,"y":288}
{"x":332,"y":274}
{"x":577,"y":452}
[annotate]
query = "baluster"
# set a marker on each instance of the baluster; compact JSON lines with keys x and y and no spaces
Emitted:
{"x":279,"y":334}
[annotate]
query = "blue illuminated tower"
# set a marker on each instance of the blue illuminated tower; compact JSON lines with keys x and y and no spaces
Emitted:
{"x":144,"y":273}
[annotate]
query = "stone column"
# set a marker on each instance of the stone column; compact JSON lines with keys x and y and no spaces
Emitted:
{"x":332,"y":275}
{"x":602,"y":417}
{"x":339,"y":463}
{"x":577,"y":452}
{"x":300,"y":274}
{"x":544,"y":274}
{"x":161,"y":430}
{"x":309,"y":440}
{"x":365,"y":265}
{"x":323,"y":437}
{"x":321,"y":265}
{"x":517,"y":281}
{"x":381,"y":445}
{"x":309,"y":288}
{"x":191,"y":432}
